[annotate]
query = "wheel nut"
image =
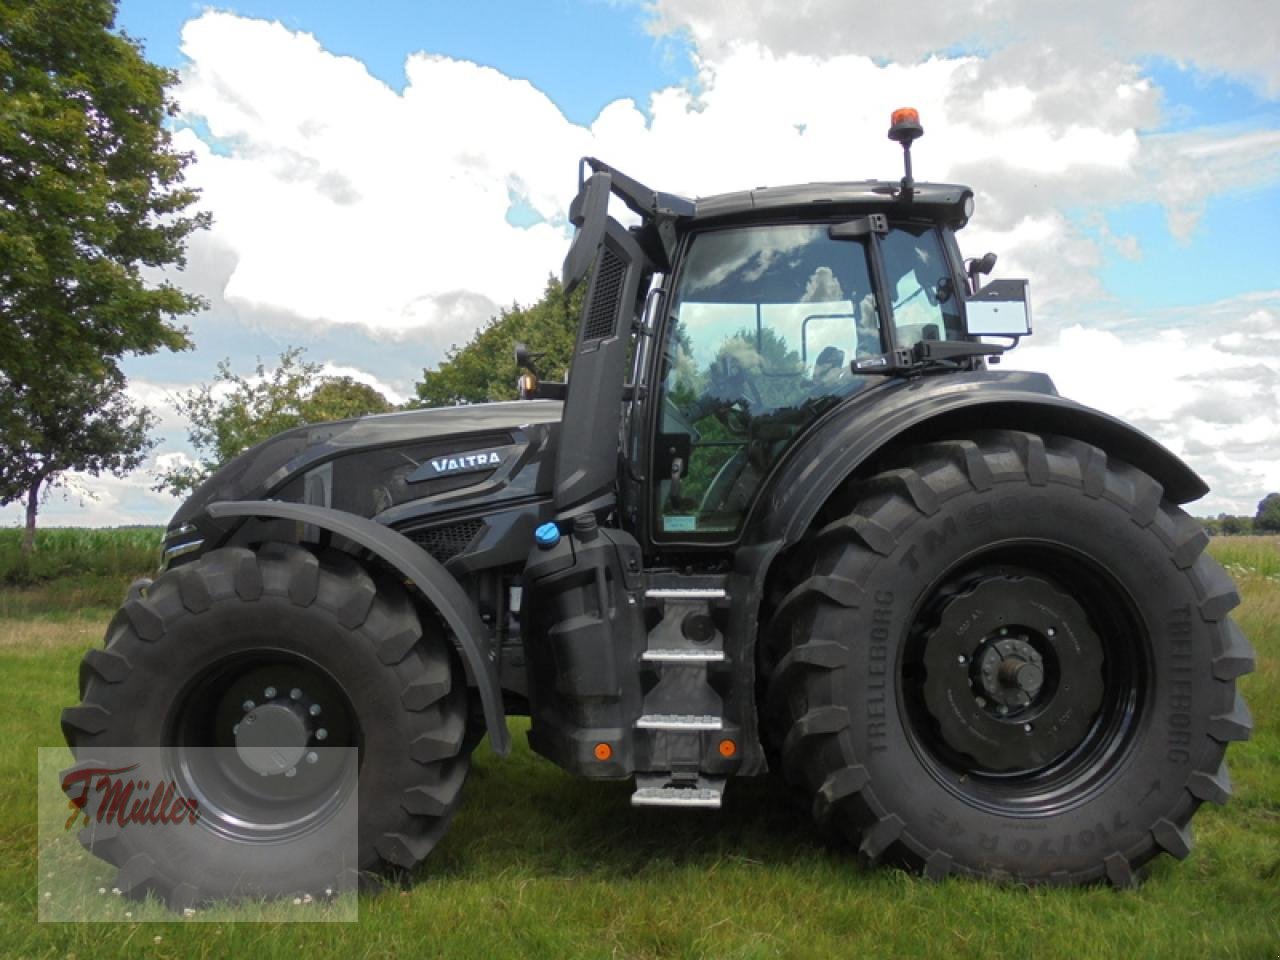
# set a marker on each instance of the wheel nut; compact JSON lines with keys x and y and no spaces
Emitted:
{"x":962,"y":659}
{"x":269,"y":692}
{"x":1026,"y":727}
{"x":1051,"y":632}
{"x":247,"y":705}
{"x":1002,"y":709}
{"x":314,"y":710}
{"x":291,"y":772}
{"x":312,"y":757}
{"x":322,"y":734}
{"x":295,"y":694}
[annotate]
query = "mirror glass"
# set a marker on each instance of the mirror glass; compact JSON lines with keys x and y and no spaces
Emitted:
{"x":1001,"y":308}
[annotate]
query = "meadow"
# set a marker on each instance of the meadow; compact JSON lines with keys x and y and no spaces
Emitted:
{"x":539,"y":864}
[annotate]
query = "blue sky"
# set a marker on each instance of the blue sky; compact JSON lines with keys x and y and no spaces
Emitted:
{"x":383,"y":182}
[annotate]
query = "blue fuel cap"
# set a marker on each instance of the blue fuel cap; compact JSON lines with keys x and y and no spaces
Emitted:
{"x":547,"y":536}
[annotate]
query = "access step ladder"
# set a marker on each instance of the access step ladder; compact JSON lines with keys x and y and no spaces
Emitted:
{"x":681,"y":706}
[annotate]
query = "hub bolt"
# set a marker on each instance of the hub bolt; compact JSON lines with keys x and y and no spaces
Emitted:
{"x":247,"y":705}
{"x":295,"y":694}
{"x":322,"y":734}
{"x":269,"y":692}
{"x":314,"y":710}
{"x":312,"y":757}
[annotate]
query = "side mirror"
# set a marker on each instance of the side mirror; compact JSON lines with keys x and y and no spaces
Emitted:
{"x":1000,"y":309}
{"x":525,"y":359}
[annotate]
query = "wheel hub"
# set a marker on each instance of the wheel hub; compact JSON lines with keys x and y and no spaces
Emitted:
{"x":1013,"y":673}
{"x":272,"y":738}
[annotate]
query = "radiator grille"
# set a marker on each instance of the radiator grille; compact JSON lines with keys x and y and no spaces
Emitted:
{"x":448,"y":540}
{"x":602,"y":312}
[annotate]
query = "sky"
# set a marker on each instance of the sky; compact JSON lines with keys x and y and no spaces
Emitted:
{"x":385,"y":177}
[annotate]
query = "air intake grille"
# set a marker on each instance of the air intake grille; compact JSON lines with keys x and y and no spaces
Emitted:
{"x":446,"y":541}
{"x":602,"y":312}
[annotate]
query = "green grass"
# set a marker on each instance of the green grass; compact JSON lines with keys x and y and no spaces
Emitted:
{"x":539,"y":864}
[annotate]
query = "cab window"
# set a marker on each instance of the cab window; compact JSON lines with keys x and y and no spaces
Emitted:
{"x":765,"y":323}
{"x":921,"y":288}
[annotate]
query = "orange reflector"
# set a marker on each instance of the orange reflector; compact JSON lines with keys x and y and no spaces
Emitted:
{"x":904,"y":115}
{"x":603,"y":751}
{"x":728,"y":748}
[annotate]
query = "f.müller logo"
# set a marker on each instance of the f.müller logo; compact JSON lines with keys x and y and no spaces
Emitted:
{"x":106,"y":795}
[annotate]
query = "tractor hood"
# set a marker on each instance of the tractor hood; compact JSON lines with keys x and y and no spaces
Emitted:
{"x":375,"y":466}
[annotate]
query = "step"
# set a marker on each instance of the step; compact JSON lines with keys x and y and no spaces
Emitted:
{"x":676,"y":721}
{"x":684,"y":656}
{"x":669,"y":796}
{"x":685,"y":593}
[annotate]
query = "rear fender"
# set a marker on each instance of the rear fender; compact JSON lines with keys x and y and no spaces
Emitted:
{"x":426,"y":573}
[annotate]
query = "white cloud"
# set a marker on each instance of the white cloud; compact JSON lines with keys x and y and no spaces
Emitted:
{"x":1239,"y":39}
{"x":1186,"y":383}
{"x":340,"y":200}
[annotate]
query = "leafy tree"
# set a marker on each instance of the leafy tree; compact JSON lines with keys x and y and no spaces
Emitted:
{"x":235,"y":412}
{"x":484,"y":369}
{"x":1233,"y":526}
{"x":1268,"y":516}
{"x":87,"y":425}
{"x":91,"y":206}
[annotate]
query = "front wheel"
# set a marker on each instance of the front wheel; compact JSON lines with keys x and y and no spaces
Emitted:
{"x":244,"y":670}
{"x":1008,"y":658}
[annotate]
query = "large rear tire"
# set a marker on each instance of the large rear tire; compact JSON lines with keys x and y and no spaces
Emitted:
{"x":327,"y":652}
{"x":1008,"y":658}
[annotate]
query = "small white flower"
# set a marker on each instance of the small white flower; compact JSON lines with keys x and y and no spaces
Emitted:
{"x":116,"y":891}
{"x":307,"y":898}
{"x":188,"y":912}
{"x":129,"y":914}
{"x":48,"y":895}
{"x":102,"y":889}
{"x":297,"y":901}
{"x":156,"y":939}
{"x":328,"y":891}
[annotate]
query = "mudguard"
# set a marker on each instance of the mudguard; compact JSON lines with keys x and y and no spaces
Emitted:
{"x":947,"y":407}
{"x":424,"y":571}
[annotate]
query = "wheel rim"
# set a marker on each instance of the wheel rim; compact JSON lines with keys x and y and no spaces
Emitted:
{"x":1023,"y":678}
{"x":278,"y":724}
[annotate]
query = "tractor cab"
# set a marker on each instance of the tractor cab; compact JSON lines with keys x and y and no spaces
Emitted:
{"x":753,"y":315}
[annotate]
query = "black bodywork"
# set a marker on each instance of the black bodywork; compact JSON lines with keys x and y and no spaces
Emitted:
{"x":450,"y":498}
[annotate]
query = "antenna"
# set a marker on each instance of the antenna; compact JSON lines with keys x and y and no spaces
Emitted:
{"x":904,"y":127}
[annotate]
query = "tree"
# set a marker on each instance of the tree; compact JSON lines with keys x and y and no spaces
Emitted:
{"x":235,"y":412}
{"x":1268,"y":516}
{"x":484,"y":369}
{"x":87,"y":425}
{"x":91,"y":207}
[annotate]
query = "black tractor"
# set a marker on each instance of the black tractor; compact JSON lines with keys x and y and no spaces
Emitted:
{"x":781,"y":517}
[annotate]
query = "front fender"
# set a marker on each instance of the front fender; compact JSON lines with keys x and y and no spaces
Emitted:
{"x":426,"y":573}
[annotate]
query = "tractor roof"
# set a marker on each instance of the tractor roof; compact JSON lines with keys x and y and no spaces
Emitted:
{"x":930,"y":201}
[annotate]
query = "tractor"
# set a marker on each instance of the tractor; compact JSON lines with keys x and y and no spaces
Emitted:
{"x":780,"y":517}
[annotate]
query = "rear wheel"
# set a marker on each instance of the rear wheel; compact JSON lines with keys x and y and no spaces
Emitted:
{"x":1009,"y":659}
{"x":276,"y":656}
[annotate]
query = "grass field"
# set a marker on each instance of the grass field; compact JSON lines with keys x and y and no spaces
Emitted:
{"x":538,"y":864}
